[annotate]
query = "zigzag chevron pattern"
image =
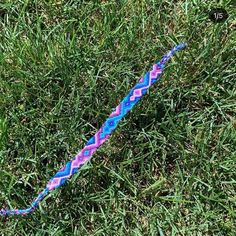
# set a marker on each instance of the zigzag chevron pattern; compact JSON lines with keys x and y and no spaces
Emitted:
{"x":102,"y":134}
{"x":107,"y":128}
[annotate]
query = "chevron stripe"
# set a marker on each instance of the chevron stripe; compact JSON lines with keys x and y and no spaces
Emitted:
{"x":116,"y":112}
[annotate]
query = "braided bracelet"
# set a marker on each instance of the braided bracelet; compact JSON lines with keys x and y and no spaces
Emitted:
{"x":102,"y":134}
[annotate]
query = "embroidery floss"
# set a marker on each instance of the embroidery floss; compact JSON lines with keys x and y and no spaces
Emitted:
{"x":102,"y":134}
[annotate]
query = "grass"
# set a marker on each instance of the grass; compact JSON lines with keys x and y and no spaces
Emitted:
{"x":169,"y":168}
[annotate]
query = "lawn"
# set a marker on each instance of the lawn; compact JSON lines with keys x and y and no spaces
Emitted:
{"x":169,"y":168}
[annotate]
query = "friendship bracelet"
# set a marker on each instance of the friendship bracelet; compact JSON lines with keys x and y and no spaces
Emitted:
{"x":71,"y":167}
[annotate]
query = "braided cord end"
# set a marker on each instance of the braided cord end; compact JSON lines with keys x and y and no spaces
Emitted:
{"x":29,"y":210}
{"x":169,"y":54}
